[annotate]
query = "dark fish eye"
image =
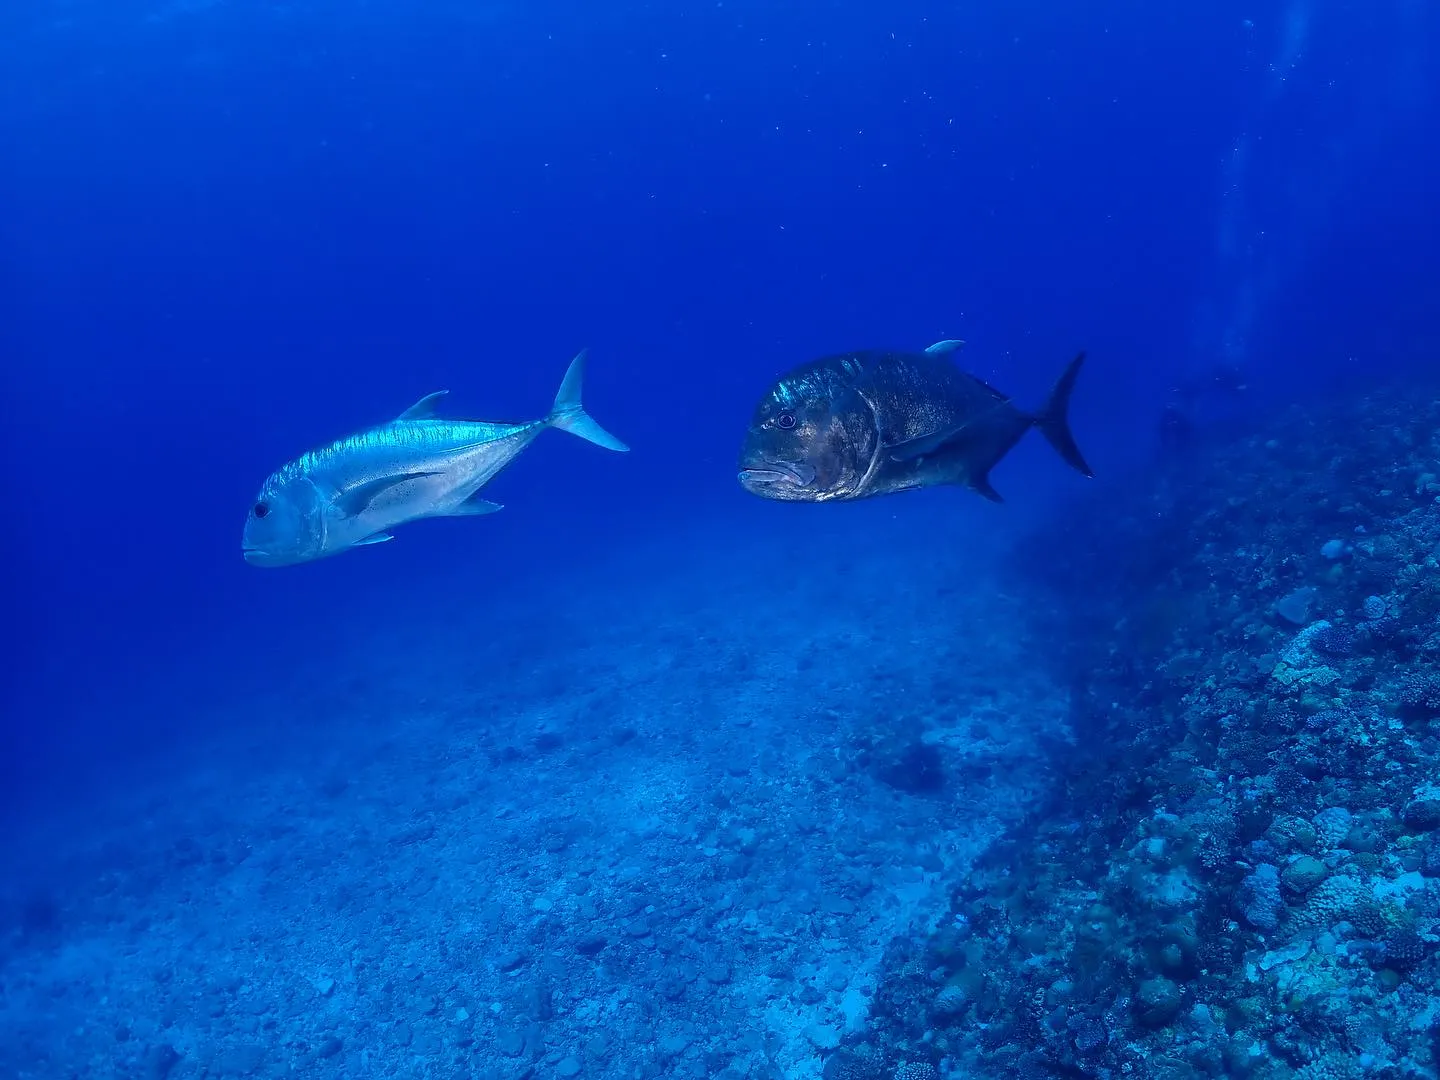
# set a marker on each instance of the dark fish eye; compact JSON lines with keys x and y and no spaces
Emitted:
{"x":261,"y":509}
{"x":786,"y":420}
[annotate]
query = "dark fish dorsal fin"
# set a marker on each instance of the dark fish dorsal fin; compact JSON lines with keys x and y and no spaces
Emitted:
{"x":353,"y":501}
{"x":423,"y":409}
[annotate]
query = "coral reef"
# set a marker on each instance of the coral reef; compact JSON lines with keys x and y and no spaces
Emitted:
{"x":1240,"y":874}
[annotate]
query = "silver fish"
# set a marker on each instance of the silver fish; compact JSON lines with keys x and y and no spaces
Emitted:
{"x":353,"y":492}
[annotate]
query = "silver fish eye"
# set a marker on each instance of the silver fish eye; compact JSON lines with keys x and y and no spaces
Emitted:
{"x":261,"y":509}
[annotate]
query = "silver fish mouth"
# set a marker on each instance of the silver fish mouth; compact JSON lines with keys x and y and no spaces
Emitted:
{"x":258,"y":557}
{"x":779,"y":472}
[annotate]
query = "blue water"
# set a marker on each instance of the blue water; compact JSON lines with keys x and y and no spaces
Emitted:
{"x":356,"y":818}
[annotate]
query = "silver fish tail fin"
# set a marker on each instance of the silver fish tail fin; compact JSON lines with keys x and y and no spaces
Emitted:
{"x":570,"y":415}
{"x":1053,"y":419}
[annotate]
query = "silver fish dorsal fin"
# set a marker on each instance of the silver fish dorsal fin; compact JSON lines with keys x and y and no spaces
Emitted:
{"x":944,"y":348}
{"x":423,"y":409}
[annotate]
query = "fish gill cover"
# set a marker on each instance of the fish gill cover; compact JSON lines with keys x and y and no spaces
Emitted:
{"x":642,"y":775}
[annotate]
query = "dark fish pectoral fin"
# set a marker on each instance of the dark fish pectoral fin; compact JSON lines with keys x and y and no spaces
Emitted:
{"x":918,"y":447}
{"x":949,"y":438}
{"x":1054,"y":420}
{"x":353,"y":501}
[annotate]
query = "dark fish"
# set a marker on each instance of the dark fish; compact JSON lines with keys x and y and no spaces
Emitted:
{"x":871,"y":423}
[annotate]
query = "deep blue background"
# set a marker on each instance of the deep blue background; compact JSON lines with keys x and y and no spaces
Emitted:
{"x":232,"y":232}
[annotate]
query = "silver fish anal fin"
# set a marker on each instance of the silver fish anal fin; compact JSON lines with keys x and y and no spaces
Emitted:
{"x":474,"y":506}
{"x":353,"y":501}
{"x":423,"y":409}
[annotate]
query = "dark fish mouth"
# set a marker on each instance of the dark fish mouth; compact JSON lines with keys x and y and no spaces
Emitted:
{"x":779,"y":472}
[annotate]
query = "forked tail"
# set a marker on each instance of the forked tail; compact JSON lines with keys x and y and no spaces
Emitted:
{"x":569,"y":414}
{"x":1053,"y":419}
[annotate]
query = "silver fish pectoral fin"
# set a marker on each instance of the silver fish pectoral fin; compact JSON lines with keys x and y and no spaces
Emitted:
{"x":354,"y":500}
{"x":373,"y":538}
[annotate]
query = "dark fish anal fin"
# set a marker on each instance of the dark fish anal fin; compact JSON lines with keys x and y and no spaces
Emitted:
{"x":981,"y":486}
{"x":1053,"y":419}
{"x":353,"y":501}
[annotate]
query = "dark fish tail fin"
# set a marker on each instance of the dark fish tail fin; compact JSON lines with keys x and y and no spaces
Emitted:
{"x":1053,"y":419}
{"x":570,"y":415}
